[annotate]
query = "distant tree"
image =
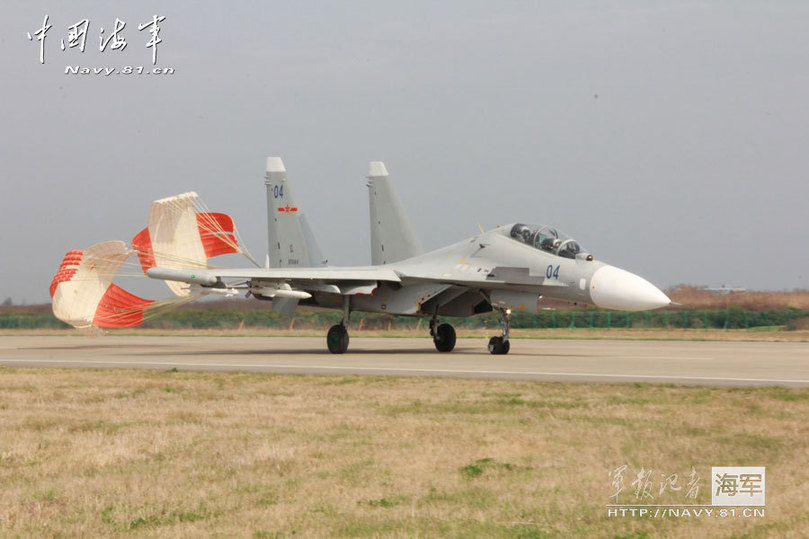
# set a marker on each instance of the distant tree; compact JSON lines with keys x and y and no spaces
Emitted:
{"x":8,"y":302}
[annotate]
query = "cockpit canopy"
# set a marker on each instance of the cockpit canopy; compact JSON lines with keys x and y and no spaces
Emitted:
{"x":548,"y":239}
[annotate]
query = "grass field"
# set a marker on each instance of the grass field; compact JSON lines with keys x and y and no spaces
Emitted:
{"x":145,"y":453}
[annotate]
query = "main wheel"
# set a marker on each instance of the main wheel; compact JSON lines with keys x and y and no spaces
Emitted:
{"x":444,"y":338}
{"x":497,"y":346}
{"x":337,"y":339}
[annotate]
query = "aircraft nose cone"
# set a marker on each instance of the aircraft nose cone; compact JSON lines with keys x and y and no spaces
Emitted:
{"x":614,"y":288}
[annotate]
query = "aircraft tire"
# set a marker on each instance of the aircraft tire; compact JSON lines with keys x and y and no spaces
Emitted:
{"x":498,"y":347}
{"x":337,"y":339}
{"x":444,"y":338}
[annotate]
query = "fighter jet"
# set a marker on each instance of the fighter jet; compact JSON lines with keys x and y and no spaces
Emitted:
{"x":506,"y":269}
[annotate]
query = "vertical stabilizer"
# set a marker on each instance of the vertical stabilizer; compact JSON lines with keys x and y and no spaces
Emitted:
{"x":291,"y":242}
{"x":392,"y":235}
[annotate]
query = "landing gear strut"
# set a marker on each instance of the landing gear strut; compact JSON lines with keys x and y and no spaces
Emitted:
{"x":337,"y":337}
{"x":500,"y":345}
{"x":443,"y":335}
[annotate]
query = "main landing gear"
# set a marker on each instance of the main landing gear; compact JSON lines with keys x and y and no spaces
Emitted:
{"x":500,"y":345}
{"x":337,"y":337}
{"x":443,"y":335}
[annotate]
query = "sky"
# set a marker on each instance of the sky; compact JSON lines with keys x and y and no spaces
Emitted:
{"x":669,"y":138}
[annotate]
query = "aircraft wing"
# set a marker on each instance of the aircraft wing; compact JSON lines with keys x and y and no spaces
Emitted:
{"x":299,"y":283}
{"x":212,"y":277}
{"x":499,"y":277}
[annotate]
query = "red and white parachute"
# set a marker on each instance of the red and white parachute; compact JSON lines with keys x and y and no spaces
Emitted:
{"x":83,"y":292}
{"x":184,"y":234}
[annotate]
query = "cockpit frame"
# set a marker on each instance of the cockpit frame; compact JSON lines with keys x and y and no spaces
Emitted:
{"x":548,"y":239}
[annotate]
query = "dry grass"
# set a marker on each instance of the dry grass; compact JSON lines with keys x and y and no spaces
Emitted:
{"x":693,"y":297}
{"x":108,"y":453}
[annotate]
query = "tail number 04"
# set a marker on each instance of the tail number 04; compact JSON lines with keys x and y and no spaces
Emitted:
{"x":278,"y":191}
{"x":551,"y":272}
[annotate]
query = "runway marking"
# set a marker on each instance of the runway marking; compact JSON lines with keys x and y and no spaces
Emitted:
{"x":675,"y":358}
{"x":407,"y":369}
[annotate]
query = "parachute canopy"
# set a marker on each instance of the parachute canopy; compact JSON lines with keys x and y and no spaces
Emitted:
{"x":183,"y":234}
{"x":84,"y":295}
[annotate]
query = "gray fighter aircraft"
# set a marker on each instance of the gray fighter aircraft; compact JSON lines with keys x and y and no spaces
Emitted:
{"x":509,"y":268}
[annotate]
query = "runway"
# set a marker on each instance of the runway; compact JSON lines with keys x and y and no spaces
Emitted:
{"x":592,"y":361}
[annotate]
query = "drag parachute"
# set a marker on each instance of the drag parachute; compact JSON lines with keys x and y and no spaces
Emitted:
{"x":83,"y":292}
{"x":183,"y":234}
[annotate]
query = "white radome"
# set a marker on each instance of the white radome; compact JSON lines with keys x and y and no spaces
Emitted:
{"x":614,"y":288}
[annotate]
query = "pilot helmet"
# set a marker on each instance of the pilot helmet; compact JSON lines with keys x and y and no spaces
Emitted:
{"x":521,"y":232}
{"x":550,"y":243}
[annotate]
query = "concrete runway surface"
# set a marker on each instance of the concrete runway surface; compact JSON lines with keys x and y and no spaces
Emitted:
{"x":599,"y":361}
{"x":594,"y":361}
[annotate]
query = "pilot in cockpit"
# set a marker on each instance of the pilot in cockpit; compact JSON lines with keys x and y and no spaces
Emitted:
{"x":550,"y":244}
{"x":547,"y":239}
{"x":522,"y":233}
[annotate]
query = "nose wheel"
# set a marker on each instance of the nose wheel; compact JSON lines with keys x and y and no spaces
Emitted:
{"x":443,"y":335}
{"x":497,"y":346}
{"x":500,"y":345}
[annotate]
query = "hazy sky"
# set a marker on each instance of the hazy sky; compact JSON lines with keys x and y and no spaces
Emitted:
{"x":669,"y":138}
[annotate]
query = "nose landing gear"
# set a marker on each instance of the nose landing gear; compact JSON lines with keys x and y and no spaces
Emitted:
{"x":500,"y":345}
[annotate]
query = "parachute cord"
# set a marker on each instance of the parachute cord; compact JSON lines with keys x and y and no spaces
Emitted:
{"x":161,"y":307}
{"x":213,"y":227}
{"x":150,"y":311}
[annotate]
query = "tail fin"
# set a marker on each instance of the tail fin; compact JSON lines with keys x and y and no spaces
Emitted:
{"x":291,"y":242}
{"x":392,"y":235}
